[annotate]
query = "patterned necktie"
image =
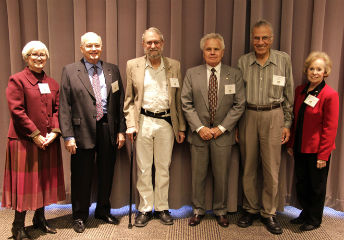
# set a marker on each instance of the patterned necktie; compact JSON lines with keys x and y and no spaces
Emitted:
{"x":212,"y":95}
{"x":96,"y":89}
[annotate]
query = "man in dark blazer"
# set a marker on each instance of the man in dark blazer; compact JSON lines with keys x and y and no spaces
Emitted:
{"x":92,"y":124}
{"x":213,"y":99}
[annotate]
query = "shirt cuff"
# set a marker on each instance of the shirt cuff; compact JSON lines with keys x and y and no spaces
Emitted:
{"x":197,"y":130}
{"x":221,"y":128}
{"x":68,"y":138}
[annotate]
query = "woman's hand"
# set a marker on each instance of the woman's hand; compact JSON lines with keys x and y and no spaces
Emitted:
{"x":39,"y":140}
{"x":321,"y":163}
{"x":49,"y":138}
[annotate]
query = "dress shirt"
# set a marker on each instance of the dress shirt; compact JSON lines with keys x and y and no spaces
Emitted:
{"x":259,"y":81}
{"x":218,"y":74}
{"x":155,"y":98}
{"x":103,"y":92}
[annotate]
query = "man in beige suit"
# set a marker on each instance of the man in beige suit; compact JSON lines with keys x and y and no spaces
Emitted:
{"x":152,"y":109}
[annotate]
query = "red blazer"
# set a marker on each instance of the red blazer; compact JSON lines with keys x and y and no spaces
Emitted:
{"x":320,"y":123}
{"x":31,"y":112}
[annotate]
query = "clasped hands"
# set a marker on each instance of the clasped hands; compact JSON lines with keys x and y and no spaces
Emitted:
{"x":43,"y":142}
{"x":208,"y":133}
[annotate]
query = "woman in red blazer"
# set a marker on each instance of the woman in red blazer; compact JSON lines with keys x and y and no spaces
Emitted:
{"x":33,"y":175}
{"x":316,"y":112}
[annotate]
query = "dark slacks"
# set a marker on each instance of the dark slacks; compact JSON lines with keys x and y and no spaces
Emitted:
{"x":82,"y":166}
{"x":310,"y":186}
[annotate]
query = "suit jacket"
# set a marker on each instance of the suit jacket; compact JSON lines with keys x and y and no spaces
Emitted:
{"x":319,"y":124}
{"x":78,"y":104}
{"x":135,"y":91}
{"x":32,"y":113}
{"x":196,"y":107}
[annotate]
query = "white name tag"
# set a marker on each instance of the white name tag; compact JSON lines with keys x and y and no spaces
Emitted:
{"x":44,"y":88}
{"x":230,"y":89}
{"x":114,"y":87}
{"x":311,"y":100}
{"x":278,"y":80}
{"x":174,"y":82}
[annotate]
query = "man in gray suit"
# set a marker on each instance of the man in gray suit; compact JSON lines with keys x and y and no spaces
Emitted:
{"x":92,"y":124}
{"x":213,"y":99}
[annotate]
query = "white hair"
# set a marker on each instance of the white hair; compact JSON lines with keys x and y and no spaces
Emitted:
{"x":34,"y":45}
{"x":89,"y":35}
{"x":212,"y":36}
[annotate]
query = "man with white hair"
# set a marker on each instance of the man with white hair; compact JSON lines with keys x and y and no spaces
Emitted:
{"x":213,"y":99}
{"x":153,"y":110}
{"x":92,"y":124}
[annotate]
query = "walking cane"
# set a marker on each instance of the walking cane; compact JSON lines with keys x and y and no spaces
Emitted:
{"x":130,"y":226}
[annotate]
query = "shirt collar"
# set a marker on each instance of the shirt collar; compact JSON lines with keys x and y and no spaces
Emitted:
{"x":272,"y":58}
{"x":148,"y":64}
{"x":90,"y":65}
{"x":315,"y":92}
{"x":217,"y":67}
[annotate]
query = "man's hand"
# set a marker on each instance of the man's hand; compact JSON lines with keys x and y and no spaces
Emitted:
{"x":181,"y":137}
{"x":120,"y":140}
{"x":205,"y":133}
{"x":131,"y":133}
{"x":216,"y":132}
{"x":49,"y":139}
{"x":285,"y":135}
{"x":70,"y":145}
{"x":321,"y":163}
{"x":39,"y":140}
{"x":237,"y":135}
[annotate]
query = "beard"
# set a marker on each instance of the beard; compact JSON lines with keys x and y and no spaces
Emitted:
{"x":153,"y":54}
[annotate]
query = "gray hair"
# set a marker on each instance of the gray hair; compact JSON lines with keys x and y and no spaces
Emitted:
{"x":155,"y":30}
{"x":212,"y":36}
{"x":262,"y":23}
{"x":34,"y":45}
{"x":89,"y":35}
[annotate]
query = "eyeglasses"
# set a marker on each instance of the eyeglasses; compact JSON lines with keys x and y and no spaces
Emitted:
{"x":91,"y":46}
{"x":264,"y":38}
{"x":36,"y":55}
{"x":151,"y":43}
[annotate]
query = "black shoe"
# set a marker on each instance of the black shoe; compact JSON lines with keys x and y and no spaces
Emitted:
{"x":272,"y":225}
{"x":143,"y":218}
{"x":79,"y":226}
{"x":20,"y":233}
{"x":164,"y":216}
{"x":298,"y":220}
{"x":222,"y":220}
{"x":308,"y":227}
{"x":107,"y":218}
{"x":43,"y":225}
{"x":247,"y":219}
{"x":195,"y":220}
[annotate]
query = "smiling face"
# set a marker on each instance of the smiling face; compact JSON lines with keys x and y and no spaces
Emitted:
{"x":316,"y":72}
{"x":212,"y":52}
{"x":262,"y":40}
{"x":36,"y":60}
{"x":92,"y":48}
{"x":152,"y":45}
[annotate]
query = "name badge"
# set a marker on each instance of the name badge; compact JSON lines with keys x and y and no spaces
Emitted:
{"x":278,"y":80}
{"x":311,"y":100}
{"x":174,"y":82}
{"x":114,"y":87}
{"x":44,"y":88}
{"x":229,"y":89}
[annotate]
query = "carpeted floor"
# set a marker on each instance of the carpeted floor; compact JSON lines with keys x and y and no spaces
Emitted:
{"x":59,"y":216}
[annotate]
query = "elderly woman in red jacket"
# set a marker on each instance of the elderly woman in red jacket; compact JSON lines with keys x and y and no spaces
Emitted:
{"x":33,"y":173}
{"x":316,"y":112}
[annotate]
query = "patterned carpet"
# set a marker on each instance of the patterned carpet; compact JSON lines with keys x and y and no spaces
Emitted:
{"x":59,"y":216}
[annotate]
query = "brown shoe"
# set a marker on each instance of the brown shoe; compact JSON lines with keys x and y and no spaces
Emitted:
{"x":195,"y":220}
{"x":222,"y":220}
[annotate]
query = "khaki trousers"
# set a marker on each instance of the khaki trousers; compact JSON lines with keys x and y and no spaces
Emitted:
{"x":260,"y":135}
{"x":155,"y":138}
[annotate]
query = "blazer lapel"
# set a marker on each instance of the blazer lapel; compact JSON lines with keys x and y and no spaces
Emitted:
{"x":140,"y":73}
{"x":108,"y":77}
{"x":83,"y":76}
{"x":224,"y":79}
{"x":169,"y":75}
{"x":204,"y":86}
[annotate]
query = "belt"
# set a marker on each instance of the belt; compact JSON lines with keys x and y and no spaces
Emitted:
{"x":263,"y":107}
{"x":155,"y":114}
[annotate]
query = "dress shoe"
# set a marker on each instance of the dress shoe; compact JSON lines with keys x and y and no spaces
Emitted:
{"x":195,"y":220}
{"x":222,"y":220}
{"x":79,"y":226}
{"x":143,"y":218}
{"x":164,"y":216}
{"x":308,"y":227}
{"x":107,"y":218}
{"x":272,"y":225}
{"x":247,"y":219}
{"x":298,"y":220}
{"x":43,"y":225}
{"x":20,"y":233}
